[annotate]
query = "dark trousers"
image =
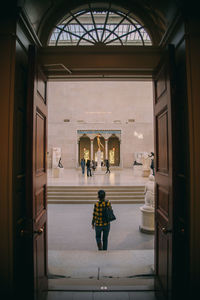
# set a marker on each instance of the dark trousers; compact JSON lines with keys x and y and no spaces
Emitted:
{"x":89,"y":173}
{"x":108,"y":170}
{"x":83,"y":169}
{"x":105,"y":230}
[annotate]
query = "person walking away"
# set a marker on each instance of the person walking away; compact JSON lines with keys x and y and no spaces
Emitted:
{"x":89,"y":173}
{"x":98,"y":222}
{"x":83,"y":165}
{"x":107,"y":166}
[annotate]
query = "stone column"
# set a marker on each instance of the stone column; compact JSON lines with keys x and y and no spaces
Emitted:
{"x":91,"y":149}
{"x":120,"y":155}
{"x":77,"y":152}
{"x":106,"y":148}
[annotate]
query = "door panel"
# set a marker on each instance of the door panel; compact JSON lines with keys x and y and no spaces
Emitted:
{"x":36,"y":176}
{"x":162,"y":139}
{"x":163,"y":105}
{"x":40,"y":142}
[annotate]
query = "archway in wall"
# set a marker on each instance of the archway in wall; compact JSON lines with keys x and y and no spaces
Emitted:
{"x":114,"y":151}
{"x":102,"y":140}
{"x":147,"y":15}
{"x":84,"y":148}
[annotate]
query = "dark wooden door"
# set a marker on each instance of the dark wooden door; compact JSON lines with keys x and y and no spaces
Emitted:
{"x":164,"y":97}
{"x":36,"y":185}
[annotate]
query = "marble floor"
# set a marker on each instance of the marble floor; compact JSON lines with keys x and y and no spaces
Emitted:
{"x":121,"y":177}
{"x":69,"y":228}
{"x":139,"y":295}
{"x":73,"y":250}
{"x":70,"y":235}
{"x":101,"y":264}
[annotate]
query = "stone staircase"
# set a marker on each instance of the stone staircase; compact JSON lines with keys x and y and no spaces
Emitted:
{"x":88,"y":194}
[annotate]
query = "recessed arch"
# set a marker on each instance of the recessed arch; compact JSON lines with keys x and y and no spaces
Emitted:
{"x":114,"y":150}
{"x":84,"y":148}
{"x":99,"y":25}
{"x":102,"y":140}
{"x":151,"y":19}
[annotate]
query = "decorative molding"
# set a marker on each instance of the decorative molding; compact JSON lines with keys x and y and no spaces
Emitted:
{"x":170,"y":30}
{"x":24,"y":19}
{"x":98,"y":131}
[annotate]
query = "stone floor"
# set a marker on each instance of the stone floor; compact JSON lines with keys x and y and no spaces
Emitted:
{"x":69,"y":228}
{"x":72,"y":246}
{"x":129,"y":176}
{"x":78,"y":264}
{"x":138,"y":295}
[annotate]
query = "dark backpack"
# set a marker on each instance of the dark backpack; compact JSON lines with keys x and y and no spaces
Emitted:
{"x":107,"y":214}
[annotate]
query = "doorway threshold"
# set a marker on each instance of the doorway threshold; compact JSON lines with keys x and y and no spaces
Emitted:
{"x":140,"y":283}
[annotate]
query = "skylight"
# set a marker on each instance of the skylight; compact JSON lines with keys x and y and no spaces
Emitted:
{"x":96,"y":27}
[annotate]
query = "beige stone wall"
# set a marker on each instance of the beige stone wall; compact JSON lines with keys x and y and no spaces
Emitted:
{"x":97,"y":105}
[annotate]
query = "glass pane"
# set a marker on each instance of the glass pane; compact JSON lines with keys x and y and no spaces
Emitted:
{"x":99,"y":26}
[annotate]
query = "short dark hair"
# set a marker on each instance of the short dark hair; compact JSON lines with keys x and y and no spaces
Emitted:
{"x":101,"y":194}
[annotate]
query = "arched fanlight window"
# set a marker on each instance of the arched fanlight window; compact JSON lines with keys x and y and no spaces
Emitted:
{"x":94,"y":26}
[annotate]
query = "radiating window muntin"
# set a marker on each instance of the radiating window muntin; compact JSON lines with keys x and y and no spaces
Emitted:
{"x":95,"y":27}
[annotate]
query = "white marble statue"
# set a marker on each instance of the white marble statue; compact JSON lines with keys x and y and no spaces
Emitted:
{"x":146,"y":161}
{"x":147,"y":210}
{"x":56,"y":155}
{"x":150,"y":193}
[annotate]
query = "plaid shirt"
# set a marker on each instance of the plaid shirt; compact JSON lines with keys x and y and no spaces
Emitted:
{"x":97,"y":213}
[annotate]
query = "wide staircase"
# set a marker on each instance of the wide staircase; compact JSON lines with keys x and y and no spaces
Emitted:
{"x":88,"y":194}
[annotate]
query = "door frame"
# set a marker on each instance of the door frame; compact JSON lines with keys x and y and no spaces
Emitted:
{"x":48,"y":55}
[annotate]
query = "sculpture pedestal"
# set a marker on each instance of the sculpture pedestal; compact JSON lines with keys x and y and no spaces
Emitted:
{"x":57,"y":172}
{"x":145,"y":172}
{"x":147,"y":222}
{"x":137,"y":170}
{"x":98,"y":170}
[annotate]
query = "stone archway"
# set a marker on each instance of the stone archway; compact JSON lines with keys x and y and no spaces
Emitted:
{"x":95,"y":147}
{"x":114,"y":150}
{"x":84,"y":148}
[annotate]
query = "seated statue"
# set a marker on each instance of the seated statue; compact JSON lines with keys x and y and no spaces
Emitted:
{"x":137,"y":163}
{"x":60,"y":164}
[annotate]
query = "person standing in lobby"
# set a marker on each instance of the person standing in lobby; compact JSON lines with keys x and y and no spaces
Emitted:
{"x":152,"y":163}
{"x":98,"y":223}
{"x":89,"y":173}
{"x":107,"y":166}
{"x":83,"y":165}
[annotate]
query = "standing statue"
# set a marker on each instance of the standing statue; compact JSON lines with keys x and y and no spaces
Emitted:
{"x":147,"y":210}
{"x":99,"y":144}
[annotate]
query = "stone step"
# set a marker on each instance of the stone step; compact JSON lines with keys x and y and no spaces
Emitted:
{"x":126,"y":201}
{"x":94,"y":195}
{"x":97,"y":187}
{"x":94,"y":190}
{"x":88,"y":194}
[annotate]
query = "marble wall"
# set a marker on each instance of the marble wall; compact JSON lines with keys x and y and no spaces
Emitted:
{"x":100,"y":105}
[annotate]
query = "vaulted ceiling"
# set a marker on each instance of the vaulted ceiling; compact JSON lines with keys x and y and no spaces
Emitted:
{"x":156,"y":15}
